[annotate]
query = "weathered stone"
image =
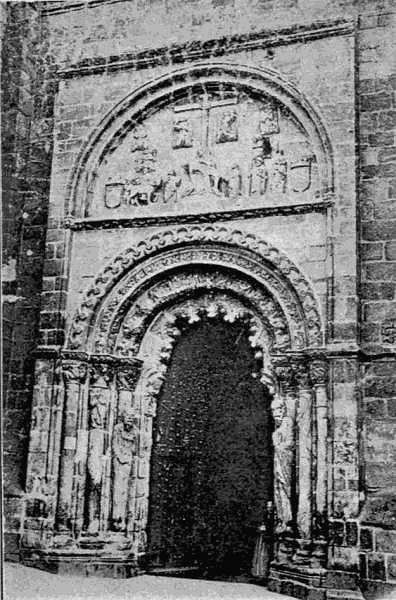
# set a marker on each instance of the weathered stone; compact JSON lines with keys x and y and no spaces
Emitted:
{"x":385,"y":541}
{"x":366,"y":539}
{"x":391,"y":560}
{"x":376,"y":566}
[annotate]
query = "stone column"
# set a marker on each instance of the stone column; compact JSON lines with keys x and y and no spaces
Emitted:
{"x":319,"y":374}
{"x":99,"y":448}
{"x":304,"y":432}
{"x":318,"y":370}
{"x":74,"y":374}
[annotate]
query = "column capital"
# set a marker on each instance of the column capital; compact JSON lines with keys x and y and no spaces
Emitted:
{"x":100,"y":373}
{"x":301,"y":366}
{"x":74,"y":371}
{"x":319,"y":371}
{"x":285,"y":372}
{"x":127,"y":374}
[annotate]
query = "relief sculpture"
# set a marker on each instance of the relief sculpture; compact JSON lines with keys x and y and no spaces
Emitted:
{"x":227,"y":127}
{"x":97,"y":442}
{"x":283,"y":440}
{"x":124,"y":450}
{"x":182,"y":134}
{"x":258,"y":177}
{"x":98,"y":408}
{"x":214,"y":148}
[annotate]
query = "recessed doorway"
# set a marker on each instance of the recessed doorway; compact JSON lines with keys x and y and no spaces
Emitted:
{"x":211,"y":463}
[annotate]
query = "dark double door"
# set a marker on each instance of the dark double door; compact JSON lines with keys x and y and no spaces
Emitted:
{"x":211,"y":467}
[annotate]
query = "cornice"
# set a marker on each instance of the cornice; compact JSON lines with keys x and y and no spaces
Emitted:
{"x":253,"y":213}
{"x":55,"y":8}
{"x":213,"y":48}
{"x":331,"y":351}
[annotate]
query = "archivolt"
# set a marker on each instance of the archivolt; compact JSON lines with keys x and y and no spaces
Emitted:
{"x":138,"y":267}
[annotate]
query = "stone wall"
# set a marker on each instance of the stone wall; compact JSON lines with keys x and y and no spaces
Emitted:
{"x":27,"y":117}
{"x":103,"y":51}
{"x":377,"y":125}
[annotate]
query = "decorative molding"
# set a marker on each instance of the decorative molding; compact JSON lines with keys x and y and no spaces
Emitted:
{"x":287,"y":273}
{"x":127,"y":291}
{"x":52,"y":7}
{"x":211,"y":217}
{"x":201,"y":50}
{"x":221,"y":289}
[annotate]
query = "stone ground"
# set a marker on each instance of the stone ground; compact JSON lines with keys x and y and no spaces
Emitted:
{"x":23,"y":583}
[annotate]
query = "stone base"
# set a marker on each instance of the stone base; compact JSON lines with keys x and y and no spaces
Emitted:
{"x":82,"y":563}
{"x":310,"y":584}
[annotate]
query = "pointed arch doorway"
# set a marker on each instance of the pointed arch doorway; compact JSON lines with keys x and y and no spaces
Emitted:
{"x":211,"y":462}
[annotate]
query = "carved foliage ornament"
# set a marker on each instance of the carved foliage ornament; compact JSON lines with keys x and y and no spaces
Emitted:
{"x":174,"y":287}
{"x":123,"y":293}
{"x":189,"y":235}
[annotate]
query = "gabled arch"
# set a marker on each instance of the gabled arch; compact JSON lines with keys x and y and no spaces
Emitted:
{"x":149,"y":97}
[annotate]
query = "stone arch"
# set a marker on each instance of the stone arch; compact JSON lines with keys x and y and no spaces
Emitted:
{"x":146,"y":99}
{"x":155,"y":351}
{"x":104,"y":375}
{"x":213,"y":245}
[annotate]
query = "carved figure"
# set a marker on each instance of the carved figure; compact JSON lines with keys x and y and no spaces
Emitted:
{"x":98,"y":408}
{"x":279,"y":173}
{"x":235,"y":181}
{"x":268,"y":123}
{"x":186,"y":185}
{"x":98,"y":404}
{"x":283,"y":441}
{"x":258,"y":178}
{"x":124,"y":451}
{"x":203,"y":172}
{"x":171,"y":186}
{"x":139,"y":139}
{"x":227,"y":130}
{"x":182,"y":134}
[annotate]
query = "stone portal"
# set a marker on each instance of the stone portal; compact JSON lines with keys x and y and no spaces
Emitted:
{"x":211,"y":466}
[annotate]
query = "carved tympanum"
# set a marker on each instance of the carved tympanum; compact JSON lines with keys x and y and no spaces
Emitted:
{"x":196,"y":163}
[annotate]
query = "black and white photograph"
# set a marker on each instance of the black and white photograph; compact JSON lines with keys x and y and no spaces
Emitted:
{"x":198,"y":299}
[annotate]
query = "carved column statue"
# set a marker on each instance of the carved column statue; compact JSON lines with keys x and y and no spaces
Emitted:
{"x":74,"y":374}
{"x":99,"y":448}
{"x":125,"y":439}
{"x":283,"y":410}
